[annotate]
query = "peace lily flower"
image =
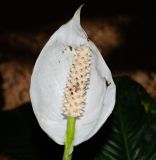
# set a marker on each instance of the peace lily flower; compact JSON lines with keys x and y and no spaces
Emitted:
{"x":71,"y":81}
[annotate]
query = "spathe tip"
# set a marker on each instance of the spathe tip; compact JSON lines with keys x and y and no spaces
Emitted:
{"x":78,"y":11}
{"x":77,"y":14}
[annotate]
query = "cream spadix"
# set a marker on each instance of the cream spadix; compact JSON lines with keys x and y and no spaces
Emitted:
{"x":70,"y":78}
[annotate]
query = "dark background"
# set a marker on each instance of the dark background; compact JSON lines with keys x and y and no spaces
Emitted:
{"x":19,"y":127}
{"x":139,"y":36}
{"x":27,"y":13}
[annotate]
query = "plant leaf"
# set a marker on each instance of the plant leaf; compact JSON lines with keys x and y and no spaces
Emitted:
{"x":132,"y":134}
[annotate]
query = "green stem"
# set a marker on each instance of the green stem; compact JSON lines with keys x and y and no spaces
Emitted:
{"x":70,"y":134}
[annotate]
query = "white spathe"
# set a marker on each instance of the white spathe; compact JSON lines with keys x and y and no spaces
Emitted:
{"x":49,"y":79}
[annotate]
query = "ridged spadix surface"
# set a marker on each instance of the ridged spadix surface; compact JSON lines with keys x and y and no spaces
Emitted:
{"x":57,"y":79}
{"x":78,"y":81}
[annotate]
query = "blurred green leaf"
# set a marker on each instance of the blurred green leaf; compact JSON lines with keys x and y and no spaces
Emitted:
{"x":132,"y":130}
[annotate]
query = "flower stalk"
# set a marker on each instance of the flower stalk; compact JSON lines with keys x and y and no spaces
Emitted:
{"x":70,"y":134}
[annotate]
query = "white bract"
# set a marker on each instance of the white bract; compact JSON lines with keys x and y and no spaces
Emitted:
{"x":55,"y":72}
